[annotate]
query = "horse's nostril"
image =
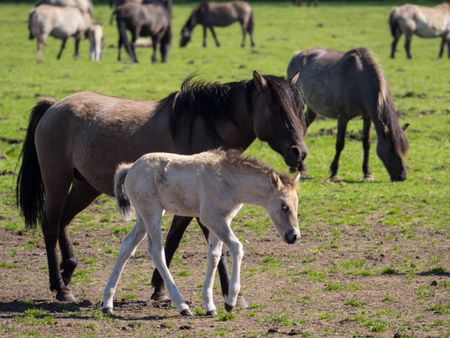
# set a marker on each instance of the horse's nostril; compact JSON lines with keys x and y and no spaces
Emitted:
{"x":296,"y":151}
{"x":304,"y":156}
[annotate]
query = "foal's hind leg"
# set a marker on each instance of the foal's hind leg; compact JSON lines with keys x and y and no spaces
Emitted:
{"x":129,"y":244}
{"x":340,"y":143}
{"x":81,"y":195}
{"x":366,"y":148}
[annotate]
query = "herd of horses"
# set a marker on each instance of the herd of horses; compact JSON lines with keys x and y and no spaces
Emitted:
{"x":64,"y":170}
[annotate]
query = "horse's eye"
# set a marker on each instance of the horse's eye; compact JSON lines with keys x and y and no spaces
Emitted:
{"x":285,"y":207}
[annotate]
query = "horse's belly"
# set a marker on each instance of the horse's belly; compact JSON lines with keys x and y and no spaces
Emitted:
{"x":61,"y":33}
{"x":426,"y":29}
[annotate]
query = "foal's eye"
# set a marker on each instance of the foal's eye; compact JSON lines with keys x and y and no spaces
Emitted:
{"x":285,"y":207}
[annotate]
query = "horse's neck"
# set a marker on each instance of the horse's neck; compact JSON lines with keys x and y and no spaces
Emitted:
{"x":251,"y":188}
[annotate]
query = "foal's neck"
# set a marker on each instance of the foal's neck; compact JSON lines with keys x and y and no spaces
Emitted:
{"x":252,"y":188}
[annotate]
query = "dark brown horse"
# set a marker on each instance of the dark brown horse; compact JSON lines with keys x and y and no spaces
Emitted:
{"x":211,"y":14}
{"x":153,"y":20}
{"x":73,"y":146}
{"x":346,"y":85}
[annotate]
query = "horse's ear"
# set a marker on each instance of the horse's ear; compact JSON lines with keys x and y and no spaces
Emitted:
{"x":259,"y":81}
{"x":405,"y":126}
{"x":276,"y":181}
{"x":294,"y":78}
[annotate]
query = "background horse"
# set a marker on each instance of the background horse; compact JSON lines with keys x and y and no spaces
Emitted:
{"x":211,"y":14}
{"x":84,"y":5}
{"x":423,"y":21}
{"x":62,"y":23}
{"x":152,"y":20}
{"x":345,"y":85}
{"x":73,"y":146}
{"x":300,"y":2}
{"x":218,"y":183}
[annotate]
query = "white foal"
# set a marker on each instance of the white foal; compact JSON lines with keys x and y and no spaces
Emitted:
{"x":212,"y":186}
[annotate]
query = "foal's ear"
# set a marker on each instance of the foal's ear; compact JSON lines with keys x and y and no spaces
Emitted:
{"x":405,"y":126}
{"x":276,"y":181}
{"x":259,"y":81}
{"x":294,"y":78}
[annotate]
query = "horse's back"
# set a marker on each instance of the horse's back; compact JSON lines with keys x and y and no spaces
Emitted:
{"x":60,"y":22}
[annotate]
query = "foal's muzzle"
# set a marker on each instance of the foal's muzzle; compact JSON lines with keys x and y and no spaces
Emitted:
{"x":291,"y":236}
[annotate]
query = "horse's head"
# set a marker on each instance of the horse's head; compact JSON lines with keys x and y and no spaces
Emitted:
{"x":391,"y":149}
{"x":186,"y":31}
{"x":278,"y":116}
{"x":282,"y":206}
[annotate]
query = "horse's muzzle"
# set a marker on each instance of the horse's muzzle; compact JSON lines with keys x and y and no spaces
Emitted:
{"x":291,"y":236}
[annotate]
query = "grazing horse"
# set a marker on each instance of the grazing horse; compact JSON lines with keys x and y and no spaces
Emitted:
{"x":212,"y":186}
{"x":346,"y":85}
{"x":73,"y":146}
{"x":300,"y":2}
{"x":210,"y":14}
{"x":62,"y":23}
{"x":152,"y":20}
{"x":83,"y":5}
{"x":423,"y":21}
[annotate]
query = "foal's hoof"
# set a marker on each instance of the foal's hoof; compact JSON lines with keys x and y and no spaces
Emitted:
{"x":211,"y":313}
{"x":241,"y":302}
{"x":108,"y":312}
{"x":368,"y":177}
{"x":159,"y":296}
{"x":186,"y":313}
{"x":65,"y":296}
{"x":228,"y":307}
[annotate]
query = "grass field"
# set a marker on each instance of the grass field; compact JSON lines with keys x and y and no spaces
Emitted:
{"x":374,"y":256}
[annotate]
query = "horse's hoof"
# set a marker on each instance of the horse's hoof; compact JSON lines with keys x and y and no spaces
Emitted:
{"x":241,"y":302}
{"x":108,"y":311}
{"x":228,"y":307}
{"x":368,"y":177}
{"x":159,"y":296}
{"x":211,"y":313}
{"x":334,"y":178}
{"x":186,"y":313}
{"x":65,"y":296}
{"x":305,"y":176}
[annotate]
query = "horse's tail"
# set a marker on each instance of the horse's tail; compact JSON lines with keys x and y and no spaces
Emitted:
{"x":123,"y":202}
{"x":122,"y":28}
{"x":168,"y":5}
{"x":384,"y":115}
{"x":251,"y":23}
{"x":393,"y":23}
{"x":30,"y":193}
{"x":30,"y":24}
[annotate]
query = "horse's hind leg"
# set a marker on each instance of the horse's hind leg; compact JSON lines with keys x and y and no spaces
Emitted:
{"x":204,"y":36}
{"x":213,"y":32}
{"x":81,"y":195}
{"x":340,"y":143}
{"x":129,"y":244}
{"x":176,"y":231}
{"x":119,"y":47}
{"x":408,"y":38}
{"x":394,"y":44}
{"x":76,"y":54}
{"x":244,"y":32}
{"x":366,"y":148}
{"x":63,"y":45}
{"x":155,"y":46}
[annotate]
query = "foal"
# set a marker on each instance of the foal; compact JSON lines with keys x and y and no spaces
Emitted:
{"x":211,"y":185}
{"x":210,"y":14}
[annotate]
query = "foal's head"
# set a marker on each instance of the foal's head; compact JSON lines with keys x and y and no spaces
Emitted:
{"x":282,"y":206}
{"x":278,"y":116}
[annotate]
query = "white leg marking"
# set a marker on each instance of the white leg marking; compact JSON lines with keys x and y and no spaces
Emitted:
{"x":214,"y":254}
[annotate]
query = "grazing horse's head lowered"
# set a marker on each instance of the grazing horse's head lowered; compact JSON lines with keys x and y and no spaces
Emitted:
{"x":279,"y":106}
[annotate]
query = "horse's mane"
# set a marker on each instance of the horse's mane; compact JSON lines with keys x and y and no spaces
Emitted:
{"x":385,"y":104}
{"x":235,"y":158}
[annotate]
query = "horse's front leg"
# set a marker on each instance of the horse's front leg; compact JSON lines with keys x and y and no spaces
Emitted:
{"x":63,"y":45}
{"x":441,"y":49}
{"x":155,"y":46}
{"x":366,"y":148}
{"x":214,"y":255}
{"x":76,"y":54}
{"x":204,"y":35}
{"x":156,"y":251}
{"x":340,"y":143}
{"x":213,"y":32}
{"x":128,"y":246}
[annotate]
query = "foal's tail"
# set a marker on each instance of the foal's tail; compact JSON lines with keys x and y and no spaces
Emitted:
{"x":383,"y":115}
{"x":30,"y":193}
{"x":393,"y":23}
{"x":122,"y":199}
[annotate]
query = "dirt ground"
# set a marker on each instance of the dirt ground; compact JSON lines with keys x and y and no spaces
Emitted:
{"x":327,"y":285}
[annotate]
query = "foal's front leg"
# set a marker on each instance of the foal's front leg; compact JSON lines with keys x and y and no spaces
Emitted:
{"x":214,"y":255}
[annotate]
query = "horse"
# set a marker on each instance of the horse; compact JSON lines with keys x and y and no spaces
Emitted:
{"x":218,"y":183}
{"x":426,"y":22}
{"x":346,"y":85}
{"x":210,"y":14}
{"x":64,"y":169}
{"x":61,"y":23}
{"x":152,"y":20}
{"x":300,"y":2}
{"x":118,"y":3}
{"x":83,"y":5}
{"x":95,"y":36}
